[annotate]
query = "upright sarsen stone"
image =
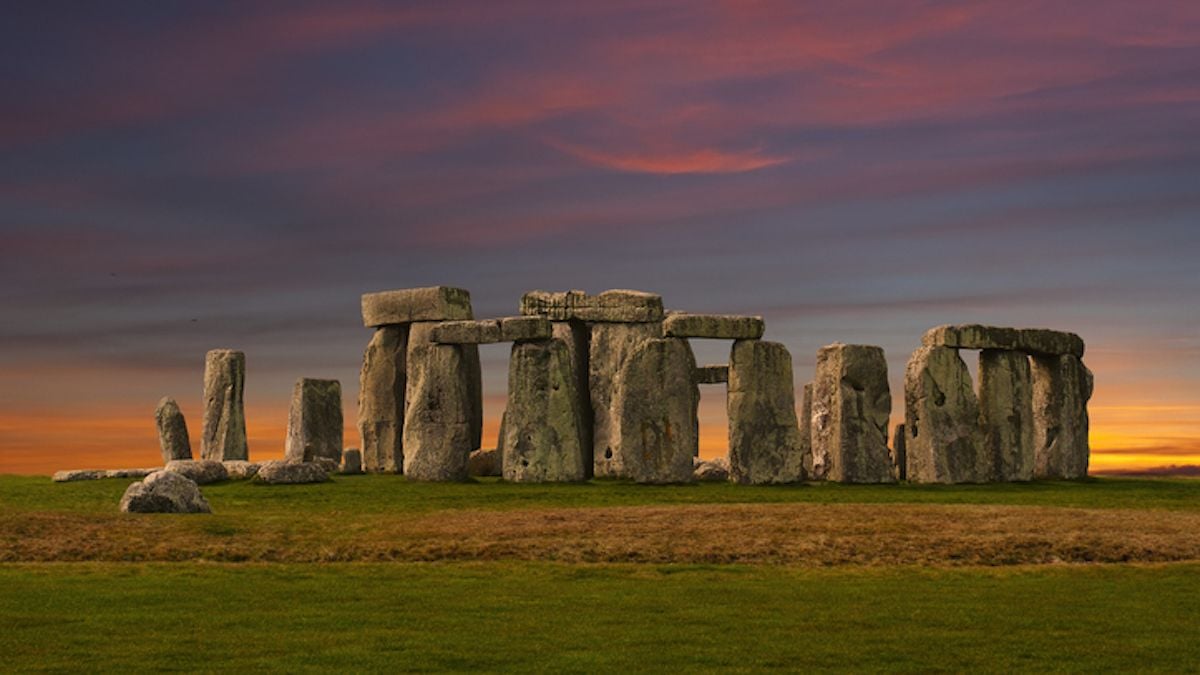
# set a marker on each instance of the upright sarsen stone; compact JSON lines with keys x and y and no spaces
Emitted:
{"x":224,"y":433}
{"x":172,"y":431}
{"x":941,"y":420}
{"x":315,"y":428}
{"x":422,"y":332}
{"x":543,"y":425}
{"x":381,"y":400}
{"x":813,"y":469}
{"x":1006,"y":414}
{"x":851,"y":404}
{"x":656,"y":403}
{"x":576,"y":337}
{"x":1062,"y":386}
{"x":764,"y":435}
{"x":610,"y":346}
{"x":439,"y":427}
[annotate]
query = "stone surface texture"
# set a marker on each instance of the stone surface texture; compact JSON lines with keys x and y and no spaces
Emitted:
{"x":172,"y":431}
{"x":382,"y":383}
{"x":814,"y":468}
{"x":291,"y":473}
{"x":716,"y":374}
{"x":224,"y":433}
{"x":576,"y":337}
{"x":442,"y":408}
{"x":851,"y":406}
{"x":485,"y":462}
{"x":164,"y":492}
{"x":237,"y":469}
{"x":899,"y":453}
{"x":618,"y":306}
{"x":609,"y":347}
{"x":713,"y":326}
{"x":941,"y":420}
{"x":434,"y":303}
{"x":1062,"y":386}
{"x":203,"y":471}
{"x":656,"y":402}
{"x":315,"y":430}
{"x":714,"y":470}
{"x":351,"y":462}
{"x":1029,"y":340}
{"x":1006,"y":414}
{"x":479,"y":332}
{"x":764,"y":435}
{"x":72,"y":475}
{"x":130,"y":473}
{"x":543,"y":423}
{"x":523,"y":328}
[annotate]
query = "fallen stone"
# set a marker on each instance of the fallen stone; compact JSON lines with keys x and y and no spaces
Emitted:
{"x":330,"y":466}
{"x":439,"y":435}
{"x":1029,"y":340}
{"x":523,"y":328}
{"x":609,"y":347}
{"x":315,"y":428}
{"x":617,"y":306}
{"x":484,"y":463}
{"x":290,"y":473}
{"x":164,"y":492}
{"x":656,"y":401}
{"x":851,"y":406}
{"x":1006,"y":414}
{"x":1062,"y":386}
{"x":899,"y":459}
{"x":72,"y":475}
{"x":240,"y":470}
{"x":481,"y":332}
{"x":203,"y":471}
{"x":714,"y":326}
{"x":130,"y":473}
{"x":711,"y":471}
{"x":712,"y":374}
{"x":381,"y":400}
{"x":434,"y":303}
{"x":224,"y":422}
{"x":764,"y":435}
{"x":351,"y":461}
{"x":172,"y":431}
{"x":543,"y":425}
{"x":941,"y":420}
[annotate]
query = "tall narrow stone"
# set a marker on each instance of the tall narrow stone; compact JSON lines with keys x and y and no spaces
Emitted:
{"x":764,"y":435}
{"x":315,"y":428}
{"x":543,"y":423}
{"x":1006,"y":414}
{"x":813,"y":470}
{"x":440,"y":430}
{"x":1062,"y":386}
{"x":657,"y":400}
{"x":852,"y":403}
{"x":381,"y":400}
{"x":422,"y":332}
{"x":172,"y":431}
{"x":610,"y":346}
{"x":224,"y":423}
{"x":899,"y":453}
{"x":941,"y":419}
{"x":576,"y":337}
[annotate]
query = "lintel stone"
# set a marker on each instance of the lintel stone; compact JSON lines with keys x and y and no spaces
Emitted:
{"x":1035,"y":341}
{"x":718,"y":374}
{"x":433,"y":303}
{"x":714,"y":326}
{"x":613,"y":306}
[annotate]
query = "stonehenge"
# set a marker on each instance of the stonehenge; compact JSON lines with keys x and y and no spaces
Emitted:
{"x":224,"y":425}
{"x":764,"y":434}
{"x":850,"y":407}
{"x":172,"y":431}
{"x":314,"y":428}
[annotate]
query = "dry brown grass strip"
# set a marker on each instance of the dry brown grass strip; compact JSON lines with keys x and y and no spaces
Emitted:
{"x":797,"y":534}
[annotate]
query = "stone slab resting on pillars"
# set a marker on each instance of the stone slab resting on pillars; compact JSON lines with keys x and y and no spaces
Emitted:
{"x":543,"y":423}
{"x":224,"y":424}
{"x":657,"y":400}
{"x":1062,"y":386}
{"x":716,"y":374}
{"x":1028,"y":340}
{"x":764,"y":435}
{"x":315,"y":428}
{"x":941,"y":420}
{"x":1006,"y":414}
{"x":713,"y":326}
{"x":851,"y":405}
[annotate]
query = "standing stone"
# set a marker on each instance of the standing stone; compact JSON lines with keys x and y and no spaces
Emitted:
{"x":764,"y":435}
{"x":610,"y":346}
{"x":656,"y":402}
{"x":899,"y":454}
{"x":851,"y":406}
{"x":381,"y":400}
{"x":814,"y":468}
{"x":172,"y":431}
{"x":941,"y":419}
{"x":1062,"y":386}
{"x":422,"y":333}
{"x":1006,"y":414}
{"x":224,"y":407}
{"x":576,"y":337}
{"x":352,"y":461}
{"x":315,"y":422}
{"x":439,"y":433}
{"x":543,"y":425}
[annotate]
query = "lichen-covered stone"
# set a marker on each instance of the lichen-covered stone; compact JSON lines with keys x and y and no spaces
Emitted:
{"x":576,"y":337}
{"x":941,"y":419}
{"x":351,"y":461}
{"x":764,"y":435}
{"x":485,"y":462}
{"x":718,"y":374}
{"x":420,"y":333}
{"x":609,"y":347}
{"x":617,"y":306}
{"x":543,"y":424}
{"x":851,"y":406}
{"x":130,"y":473}
{"x":1006,"y":414}
{"x":479,"y":332}
{"x":713,"y":326}
{"x":315,"y":429}
{"x":72,"y":475}
{"x":656,"y":402}
{"x":203,"y":471}
{"x":433,"y":303}
{"x":714,"y":470}
{"x":172,"y":431}
{"x":1029,"y":340}
{"x":1062,"y":386}
{"x":439,"y":434}
{"x":381,"y":400}
{"x":224,"y":421}
{"x":238,"y":469}
{"x":164,"y":492}
{"x":291,"y":473}
{"x":523,"y":328}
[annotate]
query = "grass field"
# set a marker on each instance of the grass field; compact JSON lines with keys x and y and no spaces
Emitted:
{"x":371,"y":573}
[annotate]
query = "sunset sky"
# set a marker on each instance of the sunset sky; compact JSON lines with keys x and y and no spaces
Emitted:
{"x":177,"y":177}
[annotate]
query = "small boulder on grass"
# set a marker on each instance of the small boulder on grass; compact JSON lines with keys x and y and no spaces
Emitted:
{"x":164,"y":492}
{"x":714,"y":470}
{"x":289,"y":473}
{"x":72,"y":475}
{"x":240,"y":469}
{"x":485,"y":462}
{"x":203,"y":471}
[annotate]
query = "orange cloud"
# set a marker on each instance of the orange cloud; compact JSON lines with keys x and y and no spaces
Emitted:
{"x":674,"y":161}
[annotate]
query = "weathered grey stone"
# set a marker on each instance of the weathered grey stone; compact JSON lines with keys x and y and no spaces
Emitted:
{"x":543,"y":425}
{"x":1028,"y":340}
{"x":290,"y":473}
{"x":224,"y":406}
{"x":164,"y":492}
{"x":315,"y":427}
{"x":1062,"y":386}
{"x":656,"y":402}
{"x":330,"y":466}
{"x":485,"y":462}
{"x":609,"y":347}
{"x":381,"y":400}
{"x":172,"y":431}
{"x":815,"y":468}
{"x":480,"y":332}
{"x":434,"y":303}
{"x":576,"y":336}
{"x":1006,"y":414}
{"x":351,"y":461}
{"x":764,"y":435}
{"x":439,"y":430}
{"x":618,"y":306}
{"x":941,"y":420}
{"x":714,"y":326}
{"x":130,"y":473}
{"x":712,"y":374}
{"x":851,"y":406}
{"x":240,"y":470}
{"x":72,"y":475}
{"x":203,"y":471}
{"x":714,"y":470}
{"x":899,"y":453}
{"x":522,"y":328}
